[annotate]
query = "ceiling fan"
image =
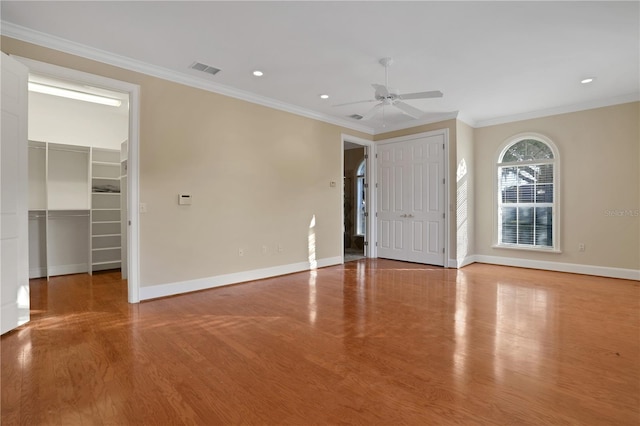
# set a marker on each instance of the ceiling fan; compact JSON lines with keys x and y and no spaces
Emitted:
{"x":387,"y":96}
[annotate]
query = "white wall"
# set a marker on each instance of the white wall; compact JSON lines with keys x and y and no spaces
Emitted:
{"x":67,"y":121}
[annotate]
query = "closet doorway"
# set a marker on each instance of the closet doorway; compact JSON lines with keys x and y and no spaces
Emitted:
{"x":82,"y":135}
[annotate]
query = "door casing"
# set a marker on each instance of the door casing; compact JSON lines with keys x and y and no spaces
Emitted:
{"x":133,"y":237}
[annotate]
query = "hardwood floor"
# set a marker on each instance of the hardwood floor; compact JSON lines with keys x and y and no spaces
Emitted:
{"x":370,"y":342}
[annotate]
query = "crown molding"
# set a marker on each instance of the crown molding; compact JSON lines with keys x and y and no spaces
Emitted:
{"x":583,"y":106}
{"x":57,"y":43}
{"x":430,"y":119}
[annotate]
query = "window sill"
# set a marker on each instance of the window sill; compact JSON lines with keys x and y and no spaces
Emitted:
{"x":524,"y":248}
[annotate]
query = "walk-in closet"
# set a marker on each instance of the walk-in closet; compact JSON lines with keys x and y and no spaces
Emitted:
{"x":77,"y":178}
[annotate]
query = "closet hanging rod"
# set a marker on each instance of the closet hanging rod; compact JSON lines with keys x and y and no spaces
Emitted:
{"x":37,"y":147}
{"x":36,"y":216}
{"x":64,"y":216}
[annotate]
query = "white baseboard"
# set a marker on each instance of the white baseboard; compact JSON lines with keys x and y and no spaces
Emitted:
{"x":37,"y":272}
{"x":67,"y":269}
{"x":601,"y":271}
{"x":468,"y":260}
{"x":170,"y":289}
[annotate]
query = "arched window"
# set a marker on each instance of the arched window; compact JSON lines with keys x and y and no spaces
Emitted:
{"x":361,"y":220}
{"x":527,"y":172}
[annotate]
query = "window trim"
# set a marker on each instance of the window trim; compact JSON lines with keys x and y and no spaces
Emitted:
{"x":556,"y":248}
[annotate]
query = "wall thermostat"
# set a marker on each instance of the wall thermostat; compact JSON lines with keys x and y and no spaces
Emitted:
{"x":184,"y":199}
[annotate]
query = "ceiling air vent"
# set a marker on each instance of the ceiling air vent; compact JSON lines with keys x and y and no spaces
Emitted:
{"x":205,"y":68}
{"x":356,"y":116}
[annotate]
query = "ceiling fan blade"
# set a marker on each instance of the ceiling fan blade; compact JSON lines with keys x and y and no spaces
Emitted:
{"x":353,"y":103}
{"x":373,"y":111}
{"x":422,"y":95}
{"x":408,"y":109}
{"x":381,"y":90}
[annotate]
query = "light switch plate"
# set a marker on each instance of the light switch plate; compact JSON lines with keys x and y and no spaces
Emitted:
{"x":184,"y":199}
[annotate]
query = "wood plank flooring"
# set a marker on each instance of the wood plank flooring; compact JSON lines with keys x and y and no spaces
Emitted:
{"x":369,"y":342}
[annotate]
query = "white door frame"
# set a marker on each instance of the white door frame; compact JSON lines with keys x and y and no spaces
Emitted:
{"x":448,"y":212}
{"x":370,"y":178}
{"x":133,"y":238}
{"x":14,"y":250}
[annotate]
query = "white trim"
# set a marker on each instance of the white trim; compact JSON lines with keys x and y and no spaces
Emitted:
{"x":53,"y":42}
{"x":430,"y":119}
{"x":37,"y":272}
{"x":370,"y":178}
{"x":468,"y":260}
{"x":77,"y":268}
{"x":557,"y":196}
{"x":18,"y":32}
{"x":565,"y":109}
{"x":574,"y":268}
{"x":447,"y":217}
{"x":170,"y":289}
{"x":133,"y":163}
{"x":451,"y":263}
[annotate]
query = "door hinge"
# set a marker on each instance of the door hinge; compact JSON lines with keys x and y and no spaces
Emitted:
{"x":376,"y":244}
{"x":366,"y":156}
{"x":442,"y":250}
{"x":376,"y":155}
{"x":376,"y":214}
{"x":443,"y":181}
{"x":442,"y":146}
{"x":443,"y":215}
{"x":366,"y":185}
{"x":366,"y":243}
{"x":376,"y":185}
{"x":366,"y":214}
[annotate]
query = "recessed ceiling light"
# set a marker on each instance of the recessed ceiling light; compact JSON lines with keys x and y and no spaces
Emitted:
{"x":324,"y":96}
{"x":258,"y":73}
{"x":587,"y":80}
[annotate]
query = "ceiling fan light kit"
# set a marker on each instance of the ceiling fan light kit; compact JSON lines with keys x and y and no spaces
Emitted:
{"x":386,"y":96}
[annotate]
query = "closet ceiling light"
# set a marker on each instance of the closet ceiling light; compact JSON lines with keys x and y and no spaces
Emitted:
{"x":73,"y":94}
{"x":587,"y":80}
{"x":324,"y":96}
{"x":258,"y":73}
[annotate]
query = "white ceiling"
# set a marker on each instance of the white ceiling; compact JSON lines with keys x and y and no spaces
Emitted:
{"x":494,"y":61}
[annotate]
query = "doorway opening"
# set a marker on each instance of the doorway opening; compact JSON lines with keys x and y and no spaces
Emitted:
{"x":358,"y":198}
{"x":83,"y":174}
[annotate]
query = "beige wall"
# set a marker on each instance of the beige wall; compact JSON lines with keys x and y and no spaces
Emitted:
{"x":599,"y":152}
{"x":465,"y":193}
{"x":257,"y":177}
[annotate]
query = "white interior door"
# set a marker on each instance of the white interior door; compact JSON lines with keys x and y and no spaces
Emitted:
{"x":411,"y":200}
{"x":14,"y":247}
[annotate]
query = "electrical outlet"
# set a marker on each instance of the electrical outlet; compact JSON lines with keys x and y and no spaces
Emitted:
{"x":240,"y":252}
{"x":264,"y":249}
{"x":581,"y":247}
{"x":280,"y":248}
{"x":143,"y":207}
